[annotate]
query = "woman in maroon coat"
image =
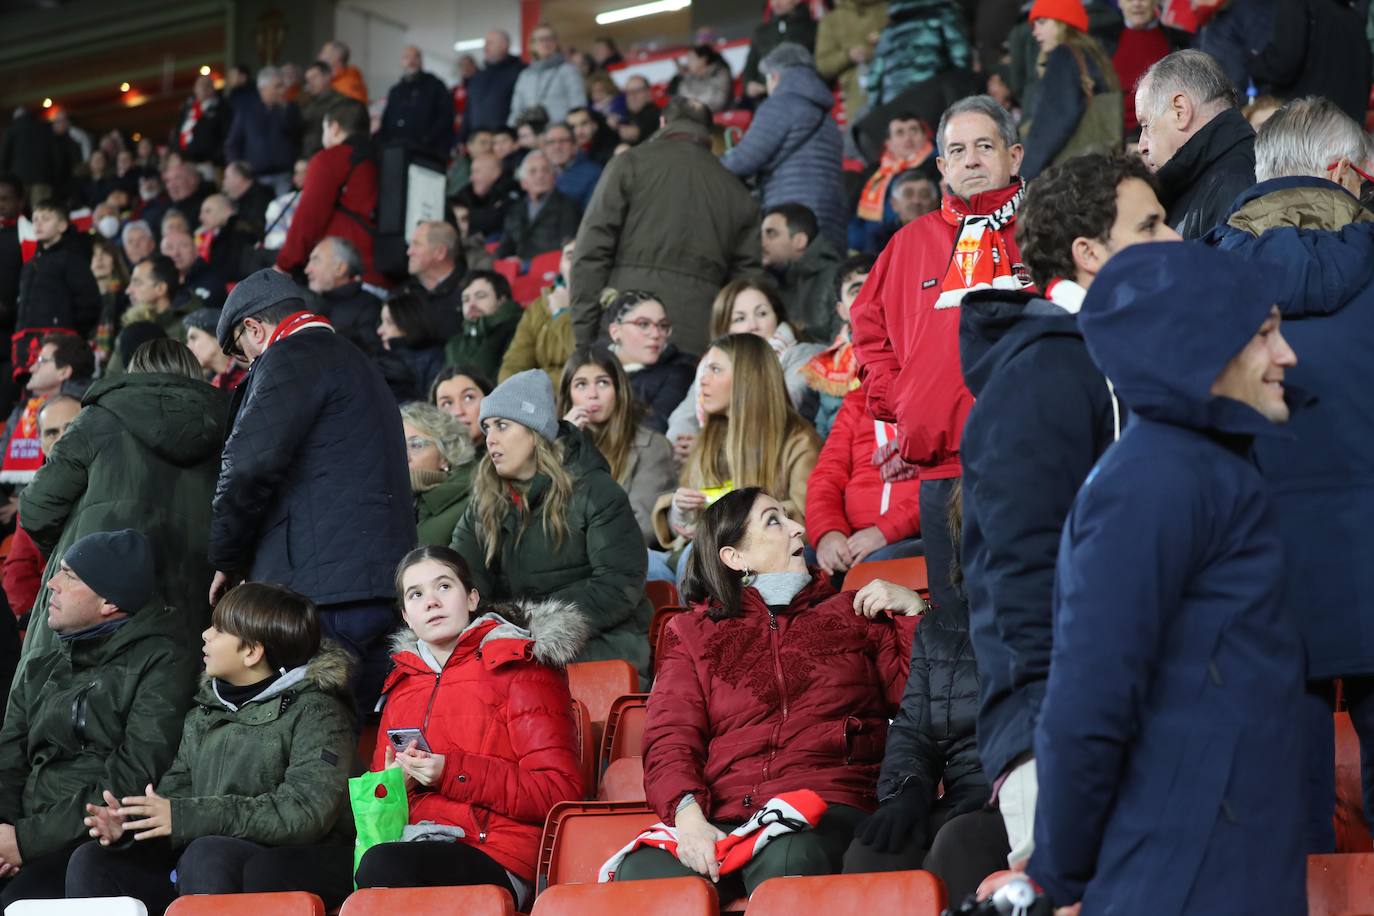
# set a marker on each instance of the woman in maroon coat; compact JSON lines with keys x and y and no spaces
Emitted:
{"x":773,"y":683}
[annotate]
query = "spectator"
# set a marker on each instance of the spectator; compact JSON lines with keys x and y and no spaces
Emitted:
{"x":315,"y":445}
{"x":335,"y":274}
{"x":752,"y":588}
{"x":788,"y":22}
{"x":909,"y":147}
{"x":515,"y":694}
{"x":460,"y":390}
{"x":63,"y":364}
{"x":833,"y":373}
{"x":413,"y":350}
{"x":228,"y":239}
{"x":845,"y":39}
{"x":1260,"y":110}
{"x":320,"y":96}
{"x":905,"y":333}
{"x":137,"y":240}
{"x":344,"y":77}
{"x":640,"y":334}
{"x":11,"y":254}
{"x":605,"y":54}
{"x":488,"y":196}
{"x":112,"y":279}
{"x":436,"y":273}
{"x":1069,"y":117}
{"x":594,"y":137}
{"x":419,"y":109}
{"x":806,"y":261}
{"x":249,"y":198}
{"x":1034,"y":380}
{"x":1234,"y":34}
{"x":29,"y":153}
{"x":605,"y":98}
{"x":922,"y":39}
{"x":1294,"y":154}
{"x":544,"y":336}
{"x":490,"y":89}
{"x":1195,"y":139}
{"x":642,"y":116}
{"x":713,"y":234}
{"x":97,"y":180}
{"x":490,"y":317}
{"x":248,"y":788}
{"x":751,"y":437}
{"x":576,"y":173}
{"x":267,"y":133}
{"x":203,"y":125}
{"x":282,"y":210}
{"x":222,"y":372}
{"x":152,"y":287}
{"x":1142,"y":41}
{"x":1170,"y":580}
{"x":185,"y":192}
{"x":594,"y":395}
{"x":442,"y":462}
{"x":549,"y":82}
{"x":196,"y":279}
{"x":544,"y":218}
{"x":339,"y":195}
{"x":574,"y":538}
{"x":1317,"y":47}
{"x":68,"y":153}
{"x":473,"y":248}
{"x":703,"y":75}
{"x":129,"y":675}
{"x":793,"y":147}
{"x":57,"y":290}
{"x":237,"y":88}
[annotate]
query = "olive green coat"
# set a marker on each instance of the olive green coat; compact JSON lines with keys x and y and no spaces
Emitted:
{"x":540,"y":342}
{"x":598,"y":565}
{"x":274,"y":770}
{"x":438,"y":510}
{"x":848,"y":26}
{"x":88,"y":715}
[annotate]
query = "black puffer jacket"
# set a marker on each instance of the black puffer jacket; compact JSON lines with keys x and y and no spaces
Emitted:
{"x":933,"y":737}
{"x":57,"y":288}
{"x":662,"y":386}
{"x":313,"y":490}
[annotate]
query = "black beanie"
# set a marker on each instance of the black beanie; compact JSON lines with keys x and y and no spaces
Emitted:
{"x":116,"y":565}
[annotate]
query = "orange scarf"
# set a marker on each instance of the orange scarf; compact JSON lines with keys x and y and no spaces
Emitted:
{"x":874,"y":195}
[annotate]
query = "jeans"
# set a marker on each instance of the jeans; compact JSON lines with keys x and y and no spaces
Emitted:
{"x":659,"y":570}
{"x":363,"y":628}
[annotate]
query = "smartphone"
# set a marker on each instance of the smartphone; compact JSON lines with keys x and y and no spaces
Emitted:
{"x":400,"y":739}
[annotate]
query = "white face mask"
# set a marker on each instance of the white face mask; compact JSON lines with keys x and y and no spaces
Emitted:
{"x":108,"y":226}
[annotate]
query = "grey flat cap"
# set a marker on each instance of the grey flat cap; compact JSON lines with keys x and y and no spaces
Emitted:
{"x":255,"y":293}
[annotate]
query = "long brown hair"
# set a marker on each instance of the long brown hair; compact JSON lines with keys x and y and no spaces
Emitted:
{"x":1082,"y":45}
{"x":746,"y":446}
{"x":491,"y":494}
{"x":723,"y":524}
{"x":724,"y":304}
{"x":615,"y":437}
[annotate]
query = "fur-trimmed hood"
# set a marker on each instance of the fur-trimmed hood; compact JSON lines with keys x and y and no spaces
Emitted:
{"x":328,"y":672}
{"x":557,"y":630}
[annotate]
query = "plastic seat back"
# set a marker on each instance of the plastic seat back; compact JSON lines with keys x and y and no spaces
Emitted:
{"x":668,"y":897}
{"x":580,"y":836}
{"x":586,"y":744}
{"x":624,"y":734}
{"x":294,"y":903}
{"x":910,"y":572}
{"x":623,"y":780}
{"x":597,"y":684}
{"x":657,"y":624}
{"x":483,"y":900}
{"x":662,"y":594}
{"x":1340,"y":885}
{"x":911,"y":893}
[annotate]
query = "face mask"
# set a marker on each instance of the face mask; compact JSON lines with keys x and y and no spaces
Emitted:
{"x":145,"y":193}
{"x":108,"y":226}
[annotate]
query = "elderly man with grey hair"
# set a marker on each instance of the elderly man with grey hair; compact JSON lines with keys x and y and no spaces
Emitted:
{"x":1195,"y":139}
{"x":267,"y":132}
{"x":335,"y":275}
{"x":544,"y":219}
{"x":793,"y":145}
{"x":1311,"y":158}
{"x":136,"y":238}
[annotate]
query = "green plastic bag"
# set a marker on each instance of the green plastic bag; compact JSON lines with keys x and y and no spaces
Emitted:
{"x":380,"y":810}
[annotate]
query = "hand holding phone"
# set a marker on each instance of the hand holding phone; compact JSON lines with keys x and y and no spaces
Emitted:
{"x":401,"y":738}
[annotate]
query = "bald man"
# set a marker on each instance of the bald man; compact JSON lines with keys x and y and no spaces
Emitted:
{"x":419,"y":108}
{"x":435,"y":262}
{"x":490,"y":89}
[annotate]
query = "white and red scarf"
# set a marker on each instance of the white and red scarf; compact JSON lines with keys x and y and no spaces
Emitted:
{"x":980,"y":259}
{"x":297,"y":322}
{"x":790,"y":812}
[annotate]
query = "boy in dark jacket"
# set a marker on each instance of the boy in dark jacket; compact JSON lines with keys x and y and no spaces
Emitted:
{"x":263,"y":765}
{"x":57,"y":291}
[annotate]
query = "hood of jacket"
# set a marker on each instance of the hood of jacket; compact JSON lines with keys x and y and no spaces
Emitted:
{"x":805,"y":85}
{"x":1162,"y":320}
{"x":1216,"y":138}
{"x":1298,"y":202}
{"x":182,"y":420}
{"x":328,"y":672}
{"x":996,"y":325}
{"x":550,"y":632}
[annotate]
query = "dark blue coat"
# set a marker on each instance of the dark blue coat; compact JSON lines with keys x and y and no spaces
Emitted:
{"x":1043,"y":417}
{"x":1169,"y":748}
{"x":269,"y":138}
{"x":489,"y":93}
{"x":419,"y":110}
{"x":314,"y":489}
{"x":579,"y":179}
{"x":1322,"y":481}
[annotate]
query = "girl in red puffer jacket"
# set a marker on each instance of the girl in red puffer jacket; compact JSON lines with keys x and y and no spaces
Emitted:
{"x":491,"y":702}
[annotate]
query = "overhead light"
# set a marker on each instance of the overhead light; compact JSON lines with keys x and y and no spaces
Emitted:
{"x":205,"y":70}
{"x":123,"y":87}
{"x":469,"y":44}
{"x":137,"y":136}
{"x":47,"y":103}
{"x":642,"y":9}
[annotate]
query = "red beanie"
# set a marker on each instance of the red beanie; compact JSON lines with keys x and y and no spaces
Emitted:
{"x":1069,"y":12}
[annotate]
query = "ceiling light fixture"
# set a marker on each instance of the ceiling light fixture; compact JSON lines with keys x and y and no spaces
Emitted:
{"x":123,"y":87}
{"x":205,"y":70}
{"x":469,"y":44}
{"x":643,"y":9}
{"x":47,"y":103}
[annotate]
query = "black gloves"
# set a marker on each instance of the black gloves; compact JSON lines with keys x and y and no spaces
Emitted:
{"x":899,"y":822}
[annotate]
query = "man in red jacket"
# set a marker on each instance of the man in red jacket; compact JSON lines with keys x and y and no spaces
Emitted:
{"x":906,"y":320}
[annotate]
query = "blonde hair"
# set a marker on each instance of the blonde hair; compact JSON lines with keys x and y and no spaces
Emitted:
{"x":492,"y":500}
{"x":450,"y":435}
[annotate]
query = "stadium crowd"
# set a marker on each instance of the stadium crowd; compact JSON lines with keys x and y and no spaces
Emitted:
{"x":1062,"y":296}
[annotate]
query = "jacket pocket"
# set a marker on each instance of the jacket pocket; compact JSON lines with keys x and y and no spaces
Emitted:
{"x":862,"y":741}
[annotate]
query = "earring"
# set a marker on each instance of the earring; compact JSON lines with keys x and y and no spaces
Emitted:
{"x":747,"y":579}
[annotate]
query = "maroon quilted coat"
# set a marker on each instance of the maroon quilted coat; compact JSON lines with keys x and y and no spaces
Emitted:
{"x":499,"y":711}
{"x":747,"y":707}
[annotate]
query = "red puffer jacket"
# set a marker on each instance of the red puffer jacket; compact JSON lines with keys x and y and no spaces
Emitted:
{"x":747,"y":707}
{"x":499,"y":712}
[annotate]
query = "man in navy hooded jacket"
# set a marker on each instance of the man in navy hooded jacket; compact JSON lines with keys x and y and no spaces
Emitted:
{"x":1170,"y":768}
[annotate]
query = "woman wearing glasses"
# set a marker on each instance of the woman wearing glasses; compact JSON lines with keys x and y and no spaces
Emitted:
{"x":660,"y":374}
{"x":442,"y":460}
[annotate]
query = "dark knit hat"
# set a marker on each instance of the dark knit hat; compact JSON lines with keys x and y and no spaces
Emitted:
{"x":116,"y":565}
{"x":203,"y":319}
{"x":255,"y":293}
{"x":136,"y":335}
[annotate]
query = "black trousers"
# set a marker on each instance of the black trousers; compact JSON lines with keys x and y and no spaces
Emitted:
{"x":938,"y":542}
{"x":966,"y":849}
{"x":430,"y":864}
{"x":41,"y":878}
{"x":208,"y":865}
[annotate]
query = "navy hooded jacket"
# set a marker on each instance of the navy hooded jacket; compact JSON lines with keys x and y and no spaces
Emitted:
{"x":1322,"y":480}
{"x":1043,"y":416}
{"x":1169,"y":747}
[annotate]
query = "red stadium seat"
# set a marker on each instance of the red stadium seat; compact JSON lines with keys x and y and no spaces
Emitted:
{"x":597,"y":684}
{"x":586,"y":743}
{"x":662,"y":594}
{"x":580,"y":836}
{"x":507,"y":267}
{"x":911,"y":893}
{"x":485,"y":900}
{"x":669,"y":897}
{"x":660,"y":620}
{"x":624,"y":732}
{"x":1352,"y":833}
{"x":295,"y":903}
{"x":1340,"y":885}
{"x":909,"y":572}
{"x":544,"y":267}
{"x":623,"y":780}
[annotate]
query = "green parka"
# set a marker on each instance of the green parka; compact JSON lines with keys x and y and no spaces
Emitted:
{"x":143,"y":453}
{"x":87,"y":715}
{"x":598,"y":566}
{"x":481,"y":342}
{"x":274,"y":770}
{"x":438,"y":510}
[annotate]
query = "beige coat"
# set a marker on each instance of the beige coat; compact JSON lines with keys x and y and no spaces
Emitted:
{"x":847,"y":26}
{"x":651,"y":472}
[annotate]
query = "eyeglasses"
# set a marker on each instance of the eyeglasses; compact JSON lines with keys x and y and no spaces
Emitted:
{"x":644,"y":325}
{"x":418,"y":443}
{"x":1353,"y":167}
{"x":43,"y":360}
{"x":234,"y":348}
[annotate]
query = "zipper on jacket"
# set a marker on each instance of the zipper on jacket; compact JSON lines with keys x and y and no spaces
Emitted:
{"x":774,"y":638}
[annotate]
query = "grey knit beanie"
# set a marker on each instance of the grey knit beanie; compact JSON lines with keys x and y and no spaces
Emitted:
{"x":526,"y":398}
